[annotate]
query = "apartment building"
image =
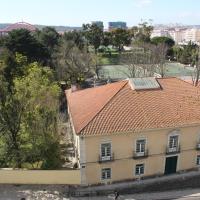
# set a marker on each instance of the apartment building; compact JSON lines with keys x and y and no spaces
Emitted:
{"x":135,"y":128}
{"x":159,"y":33}
{"x":192,"y":35}
{"x":179,"y":35}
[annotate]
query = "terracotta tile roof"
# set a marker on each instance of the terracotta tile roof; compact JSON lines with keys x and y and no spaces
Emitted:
{"x":85,"y":104}
{"x":117,"y":108}
{"x":19,"y":25}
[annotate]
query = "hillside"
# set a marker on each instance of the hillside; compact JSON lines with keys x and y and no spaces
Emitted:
{"x":58,"y":28}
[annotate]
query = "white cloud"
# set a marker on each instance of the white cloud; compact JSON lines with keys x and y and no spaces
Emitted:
{"x":142,"y":3}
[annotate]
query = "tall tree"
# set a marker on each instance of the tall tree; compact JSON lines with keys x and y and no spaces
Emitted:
{"x":77,"y":37}
{"x":49,"y":38}
{"x":23,"y":42}
{"x":120,"y":38}
{"x":28,"y":118}
{"x":143,"y":33}
{"x":93,"y":34}
{"x":74,"y":65}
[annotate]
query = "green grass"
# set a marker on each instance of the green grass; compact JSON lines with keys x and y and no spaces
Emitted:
{"x":107,"y":59}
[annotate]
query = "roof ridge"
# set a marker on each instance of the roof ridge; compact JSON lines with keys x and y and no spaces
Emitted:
{"x":125,"y":83}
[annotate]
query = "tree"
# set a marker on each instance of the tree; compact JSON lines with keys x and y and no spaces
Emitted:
{"x":160,"y":53}
{"x":196,"y":73}
{"x":94,"y":35}
{"x":28,"y":118}
{"x":13,"y":65}
{"x":76,"y":37}
{"x":120,"y":37}
{"x":49,"y":38}
{"x":107,"y":39}
{"x":73,"y":64}
{"x":168,"y":42}
{"x":163,"y":40}
{"x":143,"y":33}
{"x":23,"y":42}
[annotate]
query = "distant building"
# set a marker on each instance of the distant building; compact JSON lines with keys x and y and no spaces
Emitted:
{"x":192,"y":35}
{"x":177,"y":34}
{"x":159,"y":33}
{"x":18,"y":25}
{"x":99,"y":24}
{"x":116,"y":25}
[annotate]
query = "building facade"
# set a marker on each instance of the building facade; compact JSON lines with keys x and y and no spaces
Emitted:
{"x":116,"y":25}
{"x":134,"y":129}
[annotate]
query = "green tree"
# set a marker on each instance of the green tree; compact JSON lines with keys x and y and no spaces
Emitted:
{"x":120,"y":37}
{"x":93,"y":35}
{"x":28,"y":118}
{"x":166,"y":40}
{"x":75,"y":36}
{"x":142,"y":33}
{"x":23,"y":42}
{"x":49,"y":38}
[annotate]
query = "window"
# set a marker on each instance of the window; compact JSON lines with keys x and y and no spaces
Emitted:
{"x":106,"y":173}
{"x":106,"y":150}
{"x":140,"y":146}
{"x":173,"y":141}
{"x":198,"y":160}
{"x":139,"y":169}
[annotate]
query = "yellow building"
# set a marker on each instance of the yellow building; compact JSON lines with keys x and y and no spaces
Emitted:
{"x":135,"y":128}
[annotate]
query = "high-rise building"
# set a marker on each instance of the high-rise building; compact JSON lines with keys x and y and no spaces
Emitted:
{"x":99,"y":24}
{"x":116,"y":25}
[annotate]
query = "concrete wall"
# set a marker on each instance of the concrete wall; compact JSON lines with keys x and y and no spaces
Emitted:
{"x":8,"y":176}
{"x":123,"y":145}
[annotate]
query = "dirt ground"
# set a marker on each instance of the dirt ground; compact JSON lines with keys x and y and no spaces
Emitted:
{"x":32,"y":192}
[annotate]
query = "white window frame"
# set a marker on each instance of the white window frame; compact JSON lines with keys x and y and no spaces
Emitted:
{"x":106,"y":157}
{"x":106,"y":177}
{"x":172,"y":134}
{"x":139,"y":174}
{"x":140,"y":152}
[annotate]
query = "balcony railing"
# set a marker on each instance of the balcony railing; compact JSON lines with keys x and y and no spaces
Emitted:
{"x":139,"y":155}
{"x":198,"y":146}
{"x":106,"y":158}
{"x":173,"y":150}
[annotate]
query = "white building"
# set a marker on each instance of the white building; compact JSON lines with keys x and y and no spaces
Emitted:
{"x":179,"y":35}
{"x":159,"y":33}
{"x":192,"y":35}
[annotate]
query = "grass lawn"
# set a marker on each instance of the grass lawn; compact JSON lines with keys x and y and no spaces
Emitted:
{"x":107,"y":59}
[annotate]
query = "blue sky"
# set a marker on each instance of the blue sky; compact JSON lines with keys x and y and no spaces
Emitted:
{"x":76,"y":12}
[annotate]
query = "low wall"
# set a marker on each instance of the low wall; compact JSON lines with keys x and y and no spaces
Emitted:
{"x":9,"y":176}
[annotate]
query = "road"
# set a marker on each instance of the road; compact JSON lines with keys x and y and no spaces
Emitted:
{"x":31,"y":192}
{"x":189,"y":194}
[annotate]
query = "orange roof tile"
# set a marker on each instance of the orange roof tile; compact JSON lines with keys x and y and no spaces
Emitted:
{"x":85,"y":104}
{"x":117,"y":108}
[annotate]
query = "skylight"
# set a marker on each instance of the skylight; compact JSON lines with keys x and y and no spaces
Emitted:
{"x":144,"y":83}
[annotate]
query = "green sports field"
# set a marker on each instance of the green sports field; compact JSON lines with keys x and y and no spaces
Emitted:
{"x":121,"y":71}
